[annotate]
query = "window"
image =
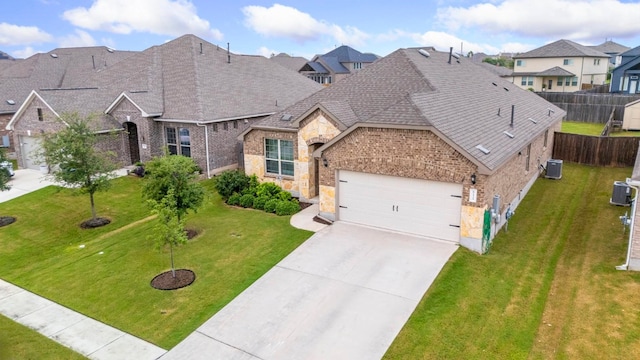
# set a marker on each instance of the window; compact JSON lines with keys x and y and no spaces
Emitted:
{"x":40,"y":116}
{"x":528,"y":157}
{"x":279,"y":156}
{"x":215,"y":127}
{"x":520,"y":63}
{"x":560,"y":80}
{"x":225,"y":126}
{"x":574,"y":81}
{"x":546,"y":136}
{"x":235,"y":124}
{"x":172,"y":141}
{"x":596,"y":61}
{"x":527,"y":80}
{"x":567,"y":62}
{"x":357,"y":66}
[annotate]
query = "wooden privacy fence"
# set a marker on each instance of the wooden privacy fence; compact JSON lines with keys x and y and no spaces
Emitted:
{"x":592,"y":108}
{"x":595,"y":150}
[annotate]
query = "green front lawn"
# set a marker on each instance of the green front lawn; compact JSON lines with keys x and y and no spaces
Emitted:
{"x":105,"y":273}
{"x":548,"y":289}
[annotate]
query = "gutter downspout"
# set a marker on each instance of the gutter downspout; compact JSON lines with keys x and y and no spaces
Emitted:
{"x":635,"y":185}
{"x":206,"y":146}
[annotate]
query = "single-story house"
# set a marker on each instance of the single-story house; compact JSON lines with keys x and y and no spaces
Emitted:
{"x":626,"y":77}
{"x":421,"y":141}
{"x":187,"y":96}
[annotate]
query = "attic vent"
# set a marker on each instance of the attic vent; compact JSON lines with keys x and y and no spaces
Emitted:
{"x":550,"y":112}
{"x":11,"y":102}
{"x":483,"y":149}
{"x":286,"y":117}
{"x":510,"y":135}
{"x":505,"y":89}
{"x":494,"y":84}
{"x":424,"y":52}
{"x":533,"y":121}
{"x":55,"y":56}
{"x":110,"y":50}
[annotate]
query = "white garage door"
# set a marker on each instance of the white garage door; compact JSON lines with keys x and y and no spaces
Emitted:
{"x":30,"y":146}
{"x":427,"y":208}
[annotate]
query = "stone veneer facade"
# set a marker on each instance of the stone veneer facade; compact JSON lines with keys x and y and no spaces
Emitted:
{"x":401,"y":152}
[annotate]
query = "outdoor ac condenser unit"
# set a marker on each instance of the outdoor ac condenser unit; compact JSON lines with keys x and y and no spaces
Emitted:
{"x":621,"y":194}
{"x":554,"y":169}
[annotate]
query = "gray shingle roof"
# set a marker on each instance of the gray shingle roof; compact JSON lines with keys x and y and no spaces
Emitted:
{"x":610,"y":47}
{"x":294,"y":63}
{"x":460,"y":101}
{"x":333,"y":63}
{"x":555,"y":71}
{"x":498,"y":70}
{"x":562,"y":48}
{"x":347,"y":54}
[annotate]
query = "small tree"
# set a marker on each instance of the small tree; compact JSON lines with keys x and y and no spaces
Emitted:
{"x":171,"y":191}
{"x":75,"y":160}
{"x":170,"y":227}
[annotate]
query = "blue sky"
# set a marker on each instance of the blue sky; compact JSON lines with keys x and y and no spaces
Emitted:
{"x":306,"y":28}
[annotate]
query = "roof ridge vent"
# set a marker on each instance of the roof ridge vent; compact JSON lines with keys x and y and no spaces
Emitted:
{"x":54,"y":55}
{"x":483,"y":149}
{"x":424,"y":52}
{"x":286,"y":117}
{"x":11,"y":102}
{"x":510,"y":135}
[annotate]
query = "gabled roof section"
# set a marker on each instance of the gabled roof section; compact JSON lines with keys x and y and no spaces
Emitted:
{"x":347,"y":54}
{"x":334,"y":64}
{"x":610,"y":47}
{"x":562,"y":48}
{"x":294,"y":63}
{"x":339,"y":111}
{"x":632,"y":52}
{"x":409,"y":90}
{"x":25,"y":104}
{"x":314,"y":66}
{"x":555,"y":71}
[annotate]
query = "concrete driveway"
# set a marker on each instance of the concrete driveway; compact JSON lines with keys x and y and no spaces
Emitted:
{"x":343,"y":294}
{"x":23,"y":182}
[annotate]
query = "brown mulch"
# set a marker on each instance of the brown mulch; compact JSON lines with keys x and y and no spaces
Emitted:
{"x":166,"y":281}
{"x":6,"y":220}
{"x":94,"y":223}
{"x":191,"y":233}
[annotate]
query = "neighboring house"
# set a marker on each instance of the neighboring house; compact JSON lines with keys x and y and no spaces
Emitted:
{"x":562,"y":66}
{"x":626,"y":77}
{"x":613,"y":49}
{"x":417,"y":142}
{"x":62,"y":68}
{"x":336,"y":64}
{"x":187,"y":96}
{"x":294,"y":63}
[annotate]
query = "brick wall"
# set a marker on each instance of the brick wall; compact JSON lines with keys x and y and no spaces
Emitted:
{"x":4,"y":121}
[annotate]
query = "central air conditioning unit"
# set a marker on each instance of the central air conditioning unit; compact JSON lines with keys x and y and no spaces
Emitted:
{"x":554,"y":169}
{"x":621,"y":194}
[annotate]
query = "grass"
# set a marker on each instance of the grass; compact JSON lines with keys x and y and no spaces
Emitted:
{"x":20,"y":342}
{"x":108,"y":279}
{"x":548,"y":289}
{"x":594,"y":129}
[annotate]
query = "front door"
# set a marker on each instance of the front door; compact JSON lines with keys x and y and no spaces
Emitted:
{"x":550,"y":84}
{"x":134,"y":148}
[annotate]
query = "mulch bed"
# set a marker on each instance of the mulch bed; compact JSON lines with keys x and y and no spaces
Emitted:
{"x":6,"y":220}
{"x":191,"y":233}
{"x":166,"y":281}
{"x":94,"y":223}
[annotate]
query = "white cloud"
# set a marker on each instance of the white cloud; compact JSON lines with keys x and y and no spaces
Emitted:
{"x":288,"y":22}
{"x":79,"y":39}
{"x":443,"y":41}
{"x":20,"y":35}
{"x":580,"y":20}
{"x":266,"y":52}
{"x":24,"y":53}
{"x":161,"y":17}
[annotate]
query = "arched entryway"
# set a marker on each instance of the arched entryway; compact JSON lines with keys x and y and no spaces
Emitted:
{"x":134,"y":147}
{"x":314,"y":172}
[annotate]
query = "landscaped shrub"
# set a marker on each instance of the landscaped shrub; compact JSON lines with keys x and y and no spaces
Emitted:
{"x":268,"y":189}
{"x":258,"y":203}
{"x":232,"y":181}
{"x":234,"y":199}
{"x":287,"y":207}
{"x":246,"y":200}
{"x":284,"y":196}
{"x":252,"y":187}
{"x":270,"y":205}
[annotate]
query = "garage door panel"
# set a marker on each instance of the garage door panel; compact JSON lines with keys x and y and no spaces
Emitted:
{"x":416,"y":206}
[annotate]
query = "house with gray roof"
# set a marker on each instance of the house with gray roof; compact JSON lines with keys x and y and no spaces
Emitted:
{"x":187,"y":96}
{"x":336,"y":64}
{"x":294,"y":63}
{"x":418,"y":154}
{"x":626,"y":77}
{"x":613,"y":49}
{"x":561,"y":66}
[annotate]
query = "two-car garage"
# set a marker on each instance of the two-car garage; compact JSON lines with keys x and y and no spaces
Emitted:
{"x":421,"y":207}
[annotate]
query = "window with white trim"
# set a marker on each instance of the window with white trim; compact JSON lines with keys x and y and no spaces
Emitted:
{"x":567,"y":62}
{"x":520,"y":63}
{"x":574,"y":81}
{"x":279,"y":156}
{"x":527,"y":80}
{"x":357,"y":66}
{"x":183,"y":147}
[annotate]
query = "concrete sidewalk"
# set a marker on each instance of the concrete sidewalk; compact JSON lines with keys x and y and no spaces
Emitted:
{"x":24,"y":182}
{"x":304,"y":219}
{"x":76,"y":331}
